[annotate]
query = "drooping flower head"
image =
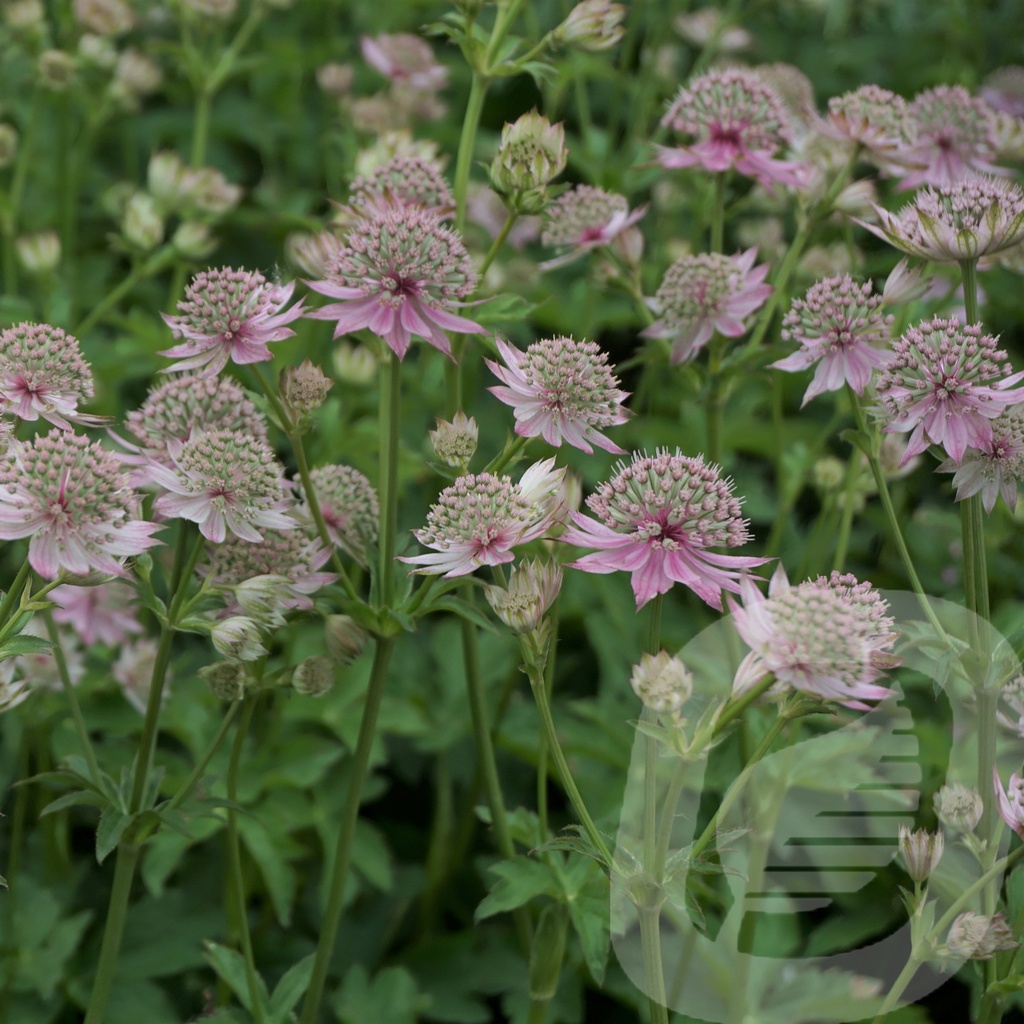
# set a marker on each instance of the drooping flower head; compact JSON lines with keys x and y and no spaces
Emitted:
{"x":72,"y":498}
{"x":224,"y":480}
{"x":399,"y":273}
{"x":702,"y":294}
{"x":829,"y":637}
{"x":950,"y":133}
{"x":481,"y":518}
{"x":731,"y":118}
{"x":108,"y":613}
{"x":870,"y":115}
{"x":349,"y":506}
{"x":406,"y":59}
{"x":404,"y":180}
{"x":583,"y":219}
{"x":976,"y":936}
{"x":946,"y":382}
{"x":561,"y":390}
{"x":180,"y":406}
{"x":43,"y":375}
{"x":226,"y":315}
{"x":995,"y":469}
{"x":974,"y":216}
{"x":657,"y":519}
{"x":840,"y":326}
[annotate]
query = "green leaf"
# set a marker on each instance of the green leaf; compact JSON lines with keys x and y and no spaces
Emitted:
{"x":277,"y":873}
{"x":392,"y":996}
{"x":586,"y":893}
{"x":464,"y":609}
{"x":14,"y":646}
{"x":112,"y":824}
{"x":859,"y":439}
{"x":230,"y":967}
{"x":519,"y":881}
{"x":501,"y":309}
{"x":290,"y":988}
{"x":79,"y":796}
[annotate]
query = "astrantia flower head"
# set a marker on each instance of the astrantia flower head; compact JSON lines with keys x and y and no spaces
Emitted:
{"x":72,"y":498}
{"x":182,"y":405}
{"x":43,"y":374}
{"x":405,"y":59}
{"x":829,"y":637}
{"x":349,"y":506}
{"x":663,"y":683}
{"x":561,"y":390}
{"x":399,"y":273}
{"x":583,"y":219}
{"x":229,"y":314}
{"x":706,"y":293}
{"x":455,"y":440}
{"x":403,"y":180}
{"x":995,"y":469}
{"x":979,"y":937}
{"x":224,"y":480}
{"x":731,"y":118}
{"x":950,"y":133}
{"x":958,"y":807}
{"x":872,"y":116}
{"x":108,"y":613}
{"x":657,"y":519}
{"x":481,"y":518}
{"x":946,"y":382}
{"x":839,"y":326}
{"x":532,"y":589}
{"x":974,"y":216}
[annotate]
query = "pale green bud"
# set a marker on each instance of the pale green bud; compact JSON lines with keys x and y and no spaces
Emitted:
{"x":355,"y":364}
{"x":344,"y":637}
{"x":958,"y":807}
{"x":662,"y":683}
{"x":226,"y":679}
{"x":238,"y":638}
{"x":315,"y":676}
{"x":532,"y":152}
{"x":193,"y":239}
{"x":531,"y":590}
{"x":921,"y":851}
{"x":39,"y":253}
{"x":262,"y":598}
{"x":56,"y":70}
{"x":304,"y":389}
{"x":455,"y":442}
{"x":142,"y":225}
{"x":592,"y":25}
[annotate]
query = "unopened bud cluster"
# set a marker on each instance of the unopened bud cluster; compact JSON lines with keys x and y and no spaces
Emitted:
{"x":531,"y":590}
{"x":593,"y":25}
{"x":921,"y":851}
{"x":958,"y":807}
{"x":662,"y":683}
{"x":531,"y":154}
{"x":454,"y":442}
{"x":303,"y":390}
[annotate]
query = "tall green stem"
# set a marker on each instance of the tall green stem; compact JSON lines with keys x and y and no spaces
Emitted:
{"x":467,"y":142}
{"x":162,"y":258}
{"x":717,"y":226}
{"x":650,"y":916}
{"x":497,"y":243}
{"x":390,"y":394}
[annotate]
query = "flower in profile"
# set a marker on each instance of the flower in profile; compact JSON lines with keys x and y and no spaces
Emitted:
{"x":454,"y":441}
{"x":975,"y":216}
{"x":107,"y":613}
{"x":702,"y":26}
{"x":405,"y":181}
{"x":946,"y":382}
{"x":481,"y":518}
{"x":224,"y":480}
{"x":702,"y":294}
{"x":532,"y":589}
{"x":133,"y":672}
{"x":311,"y":252}
{"x":829,"y":637}
{"x":531,"y":153}
{"x":1011,"y":801}
{"x":583,"y":219}
{"x":949,"y":134}
{"x":993,"y":470}
{"x":72,"y":498}
{"x":174,"y":410}
{"x":238,"y":638}
{"x":869,"y":115}
{"x":406,"y":59}
{"x":840,"y":327}
{"x":561,"y":390}
{"x":399,"y":273}
{"x":592,"y":25}
{"x":731,"y":118}
{"x":43,"y":375}
{"x":229,"y":314}
{"x":977,"y":937}
{"x":349,"y":506}
{"x":657,"y":519}
{"x":921,"y":851}
{"x":663,"y":683}
{"x":958,"y":807}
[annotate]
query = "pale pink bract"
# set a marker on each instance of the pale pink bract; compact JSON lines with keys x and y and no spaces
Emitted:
{"x":1011,"y":801}
{"x":995,"y":469}
{"x":107,"y":613}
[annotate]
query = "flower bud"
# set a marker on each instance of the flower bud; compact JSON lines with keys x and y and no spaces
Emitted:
{"x":226,"y":679}
{"x":857,"y":198}
{"x":315,"y":676}
{"x":905,"y":283}
{"x":355,"y":364}
{"x":40,"y":253}
{"x":215,"y":10}
{"x":344,"y":637}
{"x":24,"y":15}
{"x":8,"y":144}
{"x":455,"y":443}
{"x":262,"y":598}
{"x":56,"y":70}
{"x":311,"y":252}
{"x":335,"y":79}
{"x":628,"y":245}
{"x":977,"y":937}
{"x":142,"y":225}
{"x":662,"y":683}
{"x":97,"y":52}
{"x":828,"y":473}
{"x":958,"y":807}
{"x":104,"y":17}
{"x":531,"y":153}
{"x":531,"y":590}
{"x":304,"y":389}
{"x":592,"y":25}
{"x":208,"y":191}
{"x":193,"y":240}
{"x":238,"y":638}
{"x":136,"y":75}
{"x":921,"y":851}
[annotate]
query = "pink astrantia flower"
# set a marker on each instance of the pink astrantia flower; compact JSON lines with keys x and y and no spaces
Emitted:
{"x":349,"y":506}
{"x":731,"y":118}
{"x":840,"y":327}
{"x":107,"y":613}
{"x":399,"y":273}
{"x":43,"y":375}
{"x":404,"y":181}
{"x":561,"y":390}
{"x":873,"y":117}
{"x":229,"y":314}
{"x":583,"y":219}
{"x":405,"y":59}
{"x":1011,"y":801}
{"x":975,"y":216}
{"x":481,"y":518}
{"x":950,"y":134}
{"x":657,"y":519}
{"x":72,"y":498}
{"x":224,"y":480}
{"x":828,"y":637}
{"x":946,"y":382}
{"x":995,"y":469}
{"x":702,"y":294}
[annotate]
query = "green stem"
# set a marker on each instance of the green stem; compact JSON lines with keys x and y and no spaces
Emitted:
{"x":846,"y":516}
{"x":497,"y":243}
{"x":12,"y":870}
{"x":736,"y":707}
{"x":201,"y":125}
{"x":236,"y":882}
{"x":163,"y":257}
{"x":716,"y":402}
{"x":197,"y":772}
{"x":22,"y":163}
{"x":654,"y":624}
{"x":650,"y":917}
{"x":717,"y":226}
{"x":654,"y":973}
{"x":512,"y":448}
{"x":14,"y":592}
{"x":343,"y":853}
{"x":390,"y":397}
{"x":467,"y":141}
